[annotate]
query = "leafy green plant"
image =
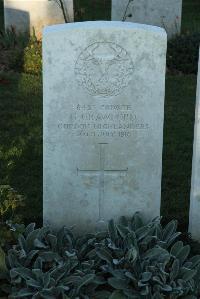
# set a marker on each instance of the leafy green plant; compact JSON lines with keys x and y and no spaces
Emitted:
{"x":32,"y":57}
{"x":183,"y":53}
{"x":10,"y":203}
{"x":9,"y":39}
{"x":45,"y":264}
{"x":20,"y":53}
{"x":29,"y":58}
{"x":143,"y":263}
{"x":131,"y":259}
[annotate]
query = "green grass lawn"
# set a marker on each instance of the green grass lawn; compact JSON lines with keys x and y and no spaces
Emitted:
{"x":86,"y":10}
{"x":21,"y":141}
{"x":21,"y":138}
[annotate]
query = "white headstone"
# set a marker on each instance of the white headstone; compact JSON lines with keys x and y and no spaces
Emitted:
{"x":104,"y":85}
{"x":162,"y":13}
{"x":23,"y":15}
{"x":194,"y":219}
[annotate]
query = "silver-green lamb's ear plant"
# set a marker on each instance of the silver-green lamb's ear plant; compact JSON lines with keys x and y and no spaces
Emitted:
{"x":142,"y":261}
{"x":131,"y":259}
{"x":45,"y":264}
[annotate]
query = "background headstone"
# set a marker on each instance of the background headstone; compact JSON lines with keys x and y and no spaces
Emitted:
{"x":104,"y":86}
{"x":23,"y":15}
{"x":194,"y":219}
{"x":162,"y":13}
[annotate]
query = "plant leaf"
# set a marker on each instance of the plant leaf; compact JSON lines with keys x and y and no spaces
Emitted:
{"x":175,"y":269}
{"x":104,"y":254}
{"x":117,"y":295}
{"x":118,"y":284}
{"x":183,"y":254}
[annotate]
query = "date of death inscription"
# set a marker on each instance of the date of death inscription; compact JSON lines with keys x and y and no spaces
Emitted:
{"x":102,"y":121}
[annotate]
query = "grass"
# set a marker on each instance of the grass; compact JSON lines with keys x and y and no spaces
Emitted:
{"x":92,"y":10}
{"x":178,"y":146}
{"x":21,"y":138}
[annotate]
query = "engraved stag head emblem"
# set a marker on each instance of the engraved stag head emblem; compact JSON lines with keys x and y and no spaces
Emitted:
{"x":104,"y":69}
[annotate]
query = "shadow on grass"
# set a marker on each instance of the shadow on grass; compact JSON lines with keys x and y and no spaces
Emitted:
{"x":20,"y":120}
{"x":178,"y":147}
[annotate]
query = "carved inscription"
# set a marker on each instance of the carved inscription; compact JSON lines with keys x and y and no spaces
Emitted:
{"x":102,"y":121}
{"x":101,"y":172}
{"x":104,"y":69}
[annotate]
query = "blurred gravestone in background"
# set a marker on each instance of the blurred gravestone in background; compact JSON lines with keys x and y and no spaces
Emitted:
{"x":162,"y":13}
{"x":24,"y":15}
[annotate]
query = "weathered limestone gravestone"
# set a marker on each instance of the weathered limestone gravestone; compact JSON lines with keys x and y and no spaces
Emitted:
{"x":26,"y":14}
{"x":104,"y":86}
{"x":194,"y":219}
{"x":162,"y":13}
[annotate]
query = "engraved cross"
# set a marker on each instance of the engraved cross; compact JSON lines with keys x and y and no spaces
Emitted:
{"x":101,"y":174}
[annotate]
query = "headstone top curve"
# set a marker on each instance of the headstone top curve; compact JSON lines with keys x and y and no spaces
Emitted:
{"x":103,"y":24}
